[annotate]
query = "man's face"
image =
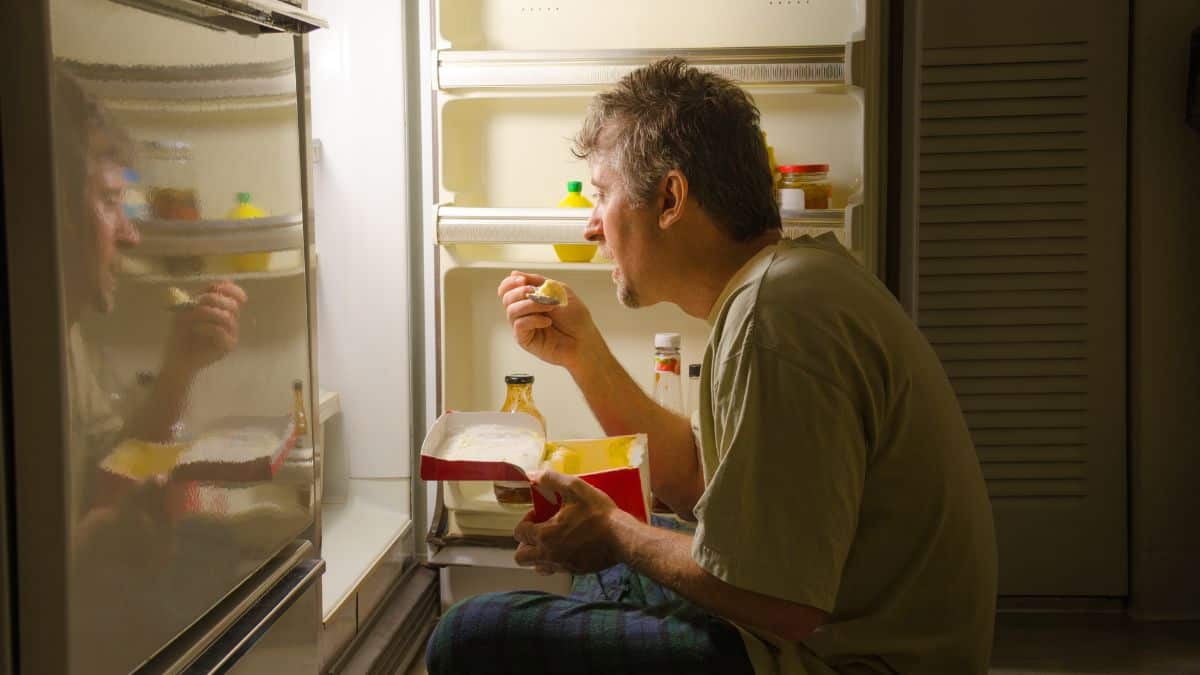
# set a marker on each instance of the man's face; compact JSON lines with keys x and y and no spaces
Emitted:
{"x":106,"y":231}
{"x":626,"y":233}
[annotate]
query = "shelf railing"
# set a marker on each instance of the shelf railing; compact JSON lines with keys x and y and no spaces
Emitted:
{"x":480,"y":225}
{"x":824,"y":66}
{"x":218,"y":237}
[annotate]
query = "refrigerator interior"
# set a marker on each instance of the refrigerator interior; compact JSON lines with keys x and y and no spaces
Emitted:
{"x":152,"y":554}
{"x":510,"y":85}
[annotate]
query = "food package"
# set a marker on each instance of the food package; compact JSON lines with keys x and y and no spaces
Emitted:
{"x":491,"y":446}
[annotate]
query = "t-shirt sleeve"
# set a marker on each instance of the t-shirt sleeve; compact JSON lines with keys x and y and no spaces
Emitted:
{"x":780,"y":512}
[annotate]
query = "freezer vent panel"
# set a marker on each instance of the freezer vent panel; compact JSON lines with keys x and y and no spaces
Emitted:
{"x":1004,"y":255}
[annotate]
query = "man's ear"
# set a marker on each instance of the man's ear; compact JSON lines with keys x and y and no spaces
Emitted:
{"x":672,"y":195}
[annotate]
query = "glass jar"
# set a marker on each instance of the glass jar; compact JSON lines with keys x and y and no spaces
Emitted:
{"x":170,"y":179}
{"x":518,"y":398}
{"x":804,"y":187}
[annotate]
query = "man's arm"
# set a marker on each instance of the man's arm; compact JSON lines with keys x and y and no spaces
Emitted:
{"x":566,"y":336}
{"x":590,"y":533}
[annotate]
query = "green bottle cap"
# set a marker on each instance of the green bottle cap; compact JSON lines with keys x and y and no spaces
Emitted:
{"x":243,"y":197}
{"x":574,"y":186}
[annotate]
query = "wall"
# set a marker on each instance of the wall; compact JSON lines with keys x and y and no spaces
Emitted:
{"x":1165,"y":316}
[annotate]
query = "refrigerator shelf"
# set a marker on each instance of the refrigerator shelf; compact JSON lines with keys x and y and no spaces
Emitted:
{"x":474,"y":225}
{"x":215,"y":276}
{"x":237,"y":86}
{"x":814,"y":66}
{"x":216,"y":237}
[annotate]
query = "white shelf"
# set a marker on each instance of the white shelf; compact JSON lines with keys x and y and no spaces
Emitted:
{"x":471,"y":225}
{"x":823,"y":66}
{"x":236,"y":86}
{"x":215,"y":276}
{"x":220,"y":237}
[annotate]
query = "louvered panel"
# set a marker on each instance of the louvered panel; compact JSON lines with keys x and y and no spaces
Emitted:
{"x":1010,"y":368}
{"x":1061,"y":140}
{"x":1019,"y":124}
{"x":1005,"y":177}
{"x":1003,"y":282}
{"x":1019,"y":269}
{"x":1054,"y":53}
{"x":1004,"y":107}
{"x":1004,"y":265}
{"x":997,"y":351}
{"x":966,"y":386}
{"x":988,"y":196}
{"x":992,"y":402}
{"x":1007,"y":299}
{"x":1042,"y":229}
{"x":1015,"y":89}
{"x":992,"y":248}
{"x":988,"y":318}
{"x":1046,"y":489}
{"x":1068,"y":436}
{"x":1027,"y":419}
{"x":1004,"y":72}
{"x":1032,"y":453}
{"x":1046,"y":470}
{"x":990,"y":161}
{"x":1002,"y":212}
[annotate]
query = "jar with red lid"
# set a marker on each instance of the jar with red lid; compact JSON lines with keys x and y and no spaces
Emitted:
{"x":804,"y":187}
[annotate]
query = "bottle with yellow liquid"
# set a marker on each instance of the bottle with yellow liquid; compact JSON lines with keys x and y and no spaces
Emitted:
{"x":248,"y":262}
{"x":575,"y":200}
{"x":518,"y":398}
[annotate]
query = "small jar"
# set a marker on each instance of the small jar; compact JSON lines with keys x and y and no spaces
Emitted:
{"x":171,"y":180}
{"x":804,"y":187}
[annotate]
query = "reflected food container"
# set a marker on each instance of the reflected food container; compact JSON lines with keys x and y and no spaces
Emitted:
{"x":491,"y":446}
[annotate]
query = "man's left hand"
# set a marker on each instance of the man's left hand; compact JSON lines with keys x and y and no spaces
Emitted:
{"x":580,"y":538}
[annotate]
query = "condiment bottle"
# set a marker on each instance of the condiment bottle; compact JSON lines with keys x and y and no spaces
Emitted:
{"x":804,"y":187}
{"x":298,"y":416}
{"x":668,"y":386}
{"x":518,"y":398}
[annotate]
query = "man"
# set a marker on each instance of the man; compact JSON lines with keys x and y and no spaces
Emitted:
{"x":842,"y":520}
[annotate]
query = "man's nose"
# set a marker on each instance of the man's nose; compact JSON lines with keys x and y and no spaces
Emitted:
{"x":594,"y":230}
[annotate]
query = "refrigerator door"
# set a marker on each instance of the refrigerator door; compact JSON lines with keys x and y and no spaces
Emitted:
{"x":159,"y":320}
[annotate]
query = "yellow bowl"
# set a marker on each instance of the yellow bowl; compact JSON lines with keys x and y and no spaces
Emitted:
{"x":575,"y":252}
{"x":251,"y":262}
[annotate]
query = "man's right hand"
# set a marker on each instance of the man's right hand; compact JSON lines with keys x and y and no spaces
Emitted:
{"x":560,"y":335}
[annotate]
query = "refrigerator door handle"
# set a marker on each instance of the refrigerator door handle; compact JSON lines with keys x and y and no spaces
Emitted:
{"x":254,"y":624}
{"x":249,"y":17}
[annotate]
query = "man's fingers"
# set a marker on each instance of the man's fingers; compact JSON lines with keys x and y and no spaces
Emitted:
{"x":528,"y":324}
{"x":230,"y":290}
{"x":526,"y":530}
{"x":526,"y":555}
{"x":525,"y":308}
{"x":220,"y":301}
{"x":550,"y":482}
{"x":517,"y":278}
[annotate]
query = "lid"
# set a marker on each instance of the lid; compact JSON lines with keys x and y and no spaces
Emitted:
{"x":668,"y":340}
{"x":574,"y":186}
{"x":243,"y":197}
{"x":518,"y":378}
{"x":694,"y":370}
{"x":804,"y":168}
{"x":297,"y":384}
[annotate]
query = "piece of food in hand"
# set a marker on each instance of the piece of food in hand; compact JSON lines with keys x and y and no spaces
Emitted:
{"x":177,"y":299}
{"x":550,"y":293}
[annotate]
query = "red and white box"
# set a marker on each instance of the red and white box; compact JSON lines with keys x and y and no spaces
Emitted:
{"x":494,"y":446}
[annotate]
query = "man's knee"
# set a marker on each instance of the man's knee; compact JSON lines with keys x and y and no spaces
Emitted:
{"x":473,"y":630}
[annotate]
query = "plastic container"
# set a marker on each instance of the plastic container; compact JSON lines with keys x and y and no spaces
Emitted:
{"x":248,"y":262}
{"x":575,"y":200}
{"x":804,"y":187}
{"x":518,"y":398}
{"x":668,"y":386}
{"x":171,"y":180}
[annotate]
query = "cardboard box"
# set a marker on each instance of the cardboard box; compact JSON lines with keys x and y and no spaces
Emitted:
{"x":492,"y":446}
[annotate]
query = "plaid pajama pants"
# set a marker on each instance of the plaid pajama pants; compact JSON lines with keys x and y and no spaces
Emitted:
{"x":614,"y":621}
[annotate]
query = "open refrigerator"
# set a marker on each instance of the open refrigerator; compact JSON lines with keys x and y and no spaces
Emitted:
{"x":504,"y":87}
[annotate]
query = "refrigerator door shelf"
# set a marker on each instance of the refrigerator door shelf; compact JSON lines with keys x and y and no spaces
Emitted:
{"x":814,"y":66}
{"x":248,"y":17}
{"x":187,"y":88}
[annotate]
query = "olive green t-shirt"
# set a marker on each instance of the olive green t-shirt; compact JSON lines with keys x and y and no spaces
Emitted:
{"x":840,"y":473}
